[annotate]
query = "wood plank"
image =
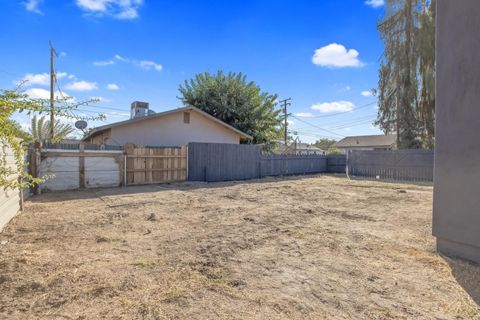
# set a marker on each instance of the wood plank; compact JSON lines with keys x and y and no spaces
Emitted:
{"x":157,"y":156}
{"x":157,"y":170}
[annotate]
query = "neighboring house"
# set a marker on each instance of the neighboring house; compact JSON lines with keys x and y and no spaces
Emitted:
{"x":170,"y":128}
{"x":298,"y":148}
{"x":306,"y":149}
{"x":373,"y":142}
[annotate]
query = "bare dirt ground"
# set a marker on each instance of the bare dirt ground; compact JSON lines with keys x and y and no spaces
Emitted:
{"x":295,"y":248}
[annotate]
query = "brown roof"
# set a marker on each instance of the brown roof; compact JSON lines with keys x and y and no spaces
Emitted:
{"x":367,"y":141}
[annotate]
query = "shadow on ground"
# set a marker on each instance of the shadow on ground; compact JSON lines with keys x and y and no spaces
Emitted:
{"x":467,"y":275}
{"x":53,"y":196}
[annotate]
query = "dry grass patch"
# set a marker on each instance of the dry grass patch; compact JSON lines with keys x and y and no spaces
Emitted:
{"x":295,"y":248}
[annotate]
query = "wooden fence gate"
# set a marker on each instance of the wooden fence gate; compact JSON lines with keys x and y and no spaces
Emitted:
{"x":155,"y":165}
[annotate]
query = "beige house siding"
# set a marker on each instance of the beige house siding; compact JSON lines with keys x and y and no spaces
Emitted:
{"x":346,"y":149}
{"x":170,"y":130}
{"x":101,"y":138}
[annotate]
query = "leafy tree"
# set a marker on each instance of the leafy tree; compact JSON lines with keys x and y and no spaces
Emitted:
{"x":12,"y":101}
{"x":333,"y":150}
{"x":40,"y":130}
{"x":324,"y":143}
{"x":425,"y":35}
{"x":407,"y":72}
{"x":241,"y":104}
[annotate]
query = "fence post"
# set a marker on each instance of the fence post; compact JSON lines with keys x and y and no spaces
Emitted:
{"x":347,"y":167}
{"x":81,"y":165}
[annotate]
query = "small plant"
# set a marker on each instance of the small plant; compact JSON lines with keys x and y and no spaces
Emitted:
{"x":333,"y":150}
{"x":11,"y":102}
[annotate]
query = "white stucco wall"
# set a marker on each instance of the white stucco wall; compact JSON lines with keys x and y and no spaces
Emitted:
{"x":9,"y":199}
{"x":170,"y":130}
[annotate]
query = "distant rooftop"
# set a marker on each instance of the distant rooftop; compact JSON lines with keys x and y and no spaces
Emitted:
{"x":367,"y":141}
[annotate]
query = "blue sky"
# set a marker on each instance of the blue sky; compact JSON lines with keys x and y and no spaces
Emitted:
{"x":322,"y":54}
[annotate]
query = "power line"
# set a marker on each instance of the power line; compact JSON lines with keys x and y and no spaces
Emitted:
{"x":352,"y":121}
{"x":354,"y":124}
{"x":102,"y":107}
{"x":313,"y":134}
{"x":344,"y":112}
{"x":318,"y":127}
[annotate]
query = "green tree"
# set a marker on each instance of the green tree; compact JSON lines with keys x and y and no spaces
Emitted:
{"x":425,"y":35}
{"x":407,"y":72}
{"x":333,"y":150}
{"x":324,"y":143}
{"x":241,"y":104}
{"x":40,"y":130}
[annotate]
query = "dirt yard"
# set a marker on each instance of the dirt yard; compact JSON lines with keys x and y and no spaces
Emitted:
{"x":296,"y":248}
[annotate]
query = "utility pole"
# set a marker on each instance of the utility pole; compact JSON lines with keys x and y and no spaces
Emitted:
{"x":53,"y":53}
{"x":286,"y":103}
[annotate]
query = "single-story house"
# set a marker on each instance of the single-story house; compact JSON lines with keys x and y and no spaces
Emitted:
{"x":301,"y":148}
{"x":298,"y":148}
{"x":372,"y":142}
{"x":169,"y":128}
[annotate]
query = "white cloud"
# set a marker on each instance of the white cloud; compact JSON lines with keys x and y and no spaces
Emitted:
{"x":336,"y":55}
{"x":32,"y":6}
{"x":82,"y":86}
{"x":41,"y":79}
{"x":348,"y":129}
{"x":103,"y":63}
{"x":375,"y":3}
{"x":112,"y":86}
{"x":290,"y":122}
{"x":304,"y":114}
{"x":92,"y":5}
{"x":61,"y":75}
{"x":120,"y":58}
{"x":145,"y":64}
{"x":39,"y":93}
{"x":127,"y":14}
{"x":366,"y":93}
{"x":120,"y":9}
{"x":334,"y":106}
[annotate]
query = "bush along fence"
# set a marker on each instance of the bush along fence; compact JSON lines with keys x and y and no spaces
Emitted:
{"x":223,"y":162}
{"x":394,"y":165}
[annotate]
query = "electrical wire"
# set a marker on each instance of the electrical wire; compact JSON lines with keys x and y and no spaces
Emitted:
{"x":318,"y":127}
{"x":343,"y":112}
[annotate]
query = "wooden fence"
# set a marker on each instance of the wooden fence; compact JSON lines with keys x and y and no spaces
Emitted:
{"x":155,"y":165}
{"x":68,"y":169}
{"x":336,"y":163}
{"x":394,"y":165}
{"x":286,"y":164}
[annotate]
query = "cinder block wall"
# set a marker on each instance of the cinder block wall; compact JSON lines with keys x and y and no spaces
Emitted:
{"x":456,"y":207}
